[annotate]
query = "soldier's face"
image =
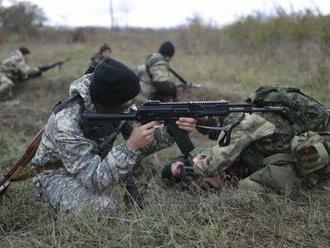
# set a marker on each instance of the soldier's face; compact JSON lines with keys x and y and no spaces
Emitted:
{"x":106,"y":54}
{"x":176,"y":168}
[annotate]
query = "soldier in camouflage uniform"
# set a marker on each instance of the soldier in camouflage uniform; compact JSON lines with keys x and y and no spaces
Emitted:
{"x":91,"y":163}
{"x":14,"y":70}
{"x":264,"y":154}
{"x":157,"y":82}
{"x":104,"y":52}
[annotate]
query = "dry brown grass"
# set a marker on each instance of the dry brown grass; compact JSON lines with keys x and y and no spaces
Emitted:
{"x":174,"y":219}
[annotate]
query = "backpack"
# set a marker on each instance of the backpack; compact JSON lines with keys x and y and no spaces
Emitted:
{"x":305,"y":113}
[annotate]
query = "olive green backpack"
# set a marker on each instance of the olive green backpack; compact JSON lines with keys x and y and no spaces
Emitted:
{"x":305,"y":113}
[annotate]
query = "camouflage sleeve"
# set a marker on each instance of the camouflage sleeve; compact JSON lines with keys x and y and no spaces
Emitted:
{"x":219,"y":158}
{"x":79,"y":154}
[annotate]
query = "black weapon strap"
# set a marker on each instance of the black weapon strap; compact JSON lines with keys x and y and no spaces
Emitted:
{"x":227,"y":130}
{"x":225,"y":140}
{"x":181,"y":79}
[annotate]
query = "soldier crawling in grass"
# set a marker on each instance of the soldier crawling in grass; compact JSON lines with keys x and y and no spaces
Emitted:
{"x":91,"y":164}
{"x":268,"y":152}
{"x":15,"y":69}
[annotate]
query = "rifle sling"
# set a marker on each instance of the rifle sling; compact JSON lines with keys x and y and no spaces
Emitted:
{"x":181,"y":79}
{"x":36,"y":170}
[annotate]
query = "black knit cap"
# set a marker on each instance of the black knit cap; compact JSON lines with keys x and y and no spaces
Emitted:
{"x":104,"y":47}
{"x":113,"y":83}
{"x":167,"y":49}
{"x":24,"y":50}
{"x":167,"y":174}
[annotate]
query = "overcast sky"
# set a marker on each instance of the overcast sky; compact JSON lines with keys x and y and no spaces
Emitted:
{"x":162,"y":13}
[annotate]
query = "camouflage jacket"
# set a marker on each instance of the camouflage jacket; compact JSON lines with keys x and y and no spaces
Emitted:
{"x":16,"y":68}
{"x":64,"y":140}
{"x":95,"y":60}
{"x":252,"y":140}
{"x":156,"y":78}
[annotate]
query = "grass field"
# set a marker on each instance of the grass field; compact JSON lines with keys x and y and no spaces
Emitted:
{"x":173,"y":218}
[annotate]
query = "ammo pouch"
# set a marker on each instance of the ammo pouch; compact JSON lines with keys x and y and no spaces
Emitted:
{"x":310,"y":153}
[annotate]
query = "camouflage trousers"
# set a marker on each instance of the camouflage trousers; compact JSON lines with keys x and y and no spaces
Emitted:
{"x":64,"y":192}
{"x":6,"y":85}
{"x":280,"y":179}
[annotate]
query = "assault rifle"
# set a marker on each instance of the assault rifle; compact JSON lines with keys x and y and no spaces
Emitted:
{"x":47,"y":67}
{"x":169,"y":112}
{"x":184,"y":82}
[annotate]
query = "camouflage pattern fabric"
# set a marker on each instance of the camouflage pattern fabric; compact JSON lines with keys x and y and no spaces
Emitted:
{"x":264,"y":149}
{"x":6,"y":85}
{"x":16,"y":68}
{"x":157,"y":82}
{"x":217,"y":159}
{"x":254,"y":140}
{"x":86,"y":175}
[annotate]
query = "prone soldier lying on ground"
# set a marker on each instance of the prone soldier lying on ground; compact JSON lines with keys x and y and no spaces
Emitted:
{"x":91,"y":163}
{"x":15,"y":69}
{"x":267,"y":152}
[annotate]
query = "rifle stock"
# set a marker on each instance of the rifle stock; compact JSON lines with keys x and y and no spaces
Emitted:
{"x":21,"y":162}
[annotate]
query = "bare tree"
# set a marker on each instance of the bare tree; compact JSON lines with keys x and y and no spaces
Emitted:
{"x":23,"y":18}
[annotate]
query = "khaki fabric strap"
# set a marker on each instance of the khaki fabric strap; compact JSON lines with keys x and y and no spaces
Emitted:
{"x":278,"y":157}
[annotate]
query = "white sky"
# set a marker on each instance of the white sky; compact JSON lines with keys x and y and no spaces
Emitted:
{"x":161,"y":13}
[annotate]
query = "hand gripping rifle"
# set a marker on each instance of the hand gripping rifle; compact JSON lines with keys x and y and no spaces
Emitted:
{"x":47,"y":67}
{"x":169,"y":112}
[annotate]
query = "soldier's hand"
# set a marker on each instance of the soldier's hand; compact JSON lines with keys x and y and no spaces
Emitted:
{"x":187,"y":124}
{"x":265,"y":130}
{"x":142,"y":135}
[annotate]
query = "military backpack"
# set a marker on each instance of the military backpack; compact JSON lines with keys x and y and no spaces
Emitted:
{"x":305,"y":113}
